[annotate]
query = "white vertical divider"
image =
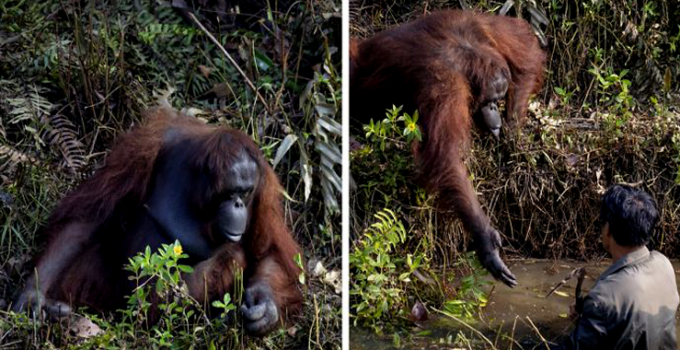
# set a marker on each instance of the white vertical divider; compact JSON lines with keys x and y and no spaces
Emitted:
{"x":345,"y":174}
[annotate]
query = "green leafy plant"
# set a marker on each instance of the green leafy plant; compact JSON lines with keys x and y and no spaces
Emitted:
{"x":614,"y":93}
{"x":564,"y":95}
{"x":411,"y":129}
{"x":470,"y":296}
{"x":73,"y":78}
{"x":162,"y":296}
{"x":675,"y":140}
{"x":161,"y":290}
{"x":388,"y":129}
{"x":384,"y":165}
{"x":225,"y":305}
{"x":158,"y":275}
{"x":380,"y":273}
{"x":383,"y":129}
{"x":384,"y":259}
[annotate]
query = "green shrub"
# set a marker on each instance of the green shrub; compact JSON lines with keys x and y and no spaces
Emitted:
{"x":180,"y":322}
{"x":180,"y":318}
{"x":470,"y":296}
{"x":380,"y":272}
{"x":385,"y":258}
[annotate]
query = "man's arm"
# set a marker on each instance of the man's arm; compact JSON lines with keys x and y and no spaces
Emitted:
{"x":593,"y":326}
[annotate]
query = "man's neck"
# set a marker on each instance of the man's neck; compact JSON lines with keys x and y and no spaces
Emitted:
{"x":619,"y":252}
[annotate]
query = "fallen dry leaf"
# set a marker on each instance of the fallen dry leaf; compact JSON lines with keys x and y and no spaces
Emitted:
{"x":319,"y":270}
{"x":205,"y":70}
{"x":84,"y":328}
{"x":291,"y":331}
{"x":333,"y":279}
{"x":562,"y":294}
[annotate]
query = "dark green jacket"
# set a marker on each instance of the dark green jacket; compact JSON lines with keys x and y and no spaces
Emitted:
{"x":631,"y":306}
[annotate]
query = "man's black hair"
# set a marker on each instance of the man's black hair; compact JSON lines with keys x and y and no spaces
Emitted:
{"x":631,"y":213}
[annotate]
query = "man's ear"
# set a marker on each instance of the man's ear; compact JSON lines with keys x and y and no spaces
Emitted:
{"x":606,"y":237}
{"x":606,"y":232}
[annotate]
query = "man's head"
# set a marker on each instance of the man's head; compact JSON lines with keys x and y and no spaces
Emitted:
{"x":628,"y":216}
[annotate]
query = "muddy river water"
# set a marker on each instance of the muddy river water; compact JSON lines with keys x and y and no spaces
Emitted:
{"x":509,"y":313}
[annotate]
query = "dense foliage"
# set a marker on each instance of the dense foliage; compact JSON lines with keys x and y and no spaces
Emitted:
{"x":74,"y":75}
{"x":608,"y":113}
{"x":603,"y":116}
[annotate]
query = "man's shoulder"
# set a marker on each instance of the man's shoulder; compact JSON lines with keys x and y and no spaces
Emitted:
{"x":660,"y":259}
{"x":655,"y":264}
{"x":633,"y":281}
{"x":662,"y":270}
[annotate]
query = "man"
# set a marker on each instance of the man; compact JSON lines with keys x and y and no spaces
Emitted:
{"x":633,"y":303}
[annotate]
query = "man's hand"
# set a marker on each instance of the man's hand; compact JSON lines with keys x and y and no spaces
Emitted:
{"x":573,"y":314}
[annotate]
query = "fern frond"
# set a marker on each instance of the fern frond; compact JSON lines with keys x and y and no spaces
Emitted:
{"x":328,"y":132}
{"x":61,"y":134}
{"x":10,"y":159}
{"x":29,"y":106}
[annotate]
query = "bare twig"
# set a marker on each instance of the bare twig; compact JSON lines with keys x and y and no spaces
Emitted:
{"x":233,"y":62}
{"x":575,"y":272}
{"x":545,"y":342}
